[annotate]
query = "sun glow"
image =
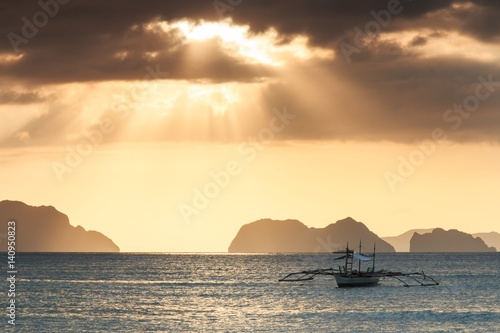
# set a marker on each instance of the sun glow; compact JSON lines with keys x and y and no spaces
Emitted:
{"x":220,"y":97}
{"x":8,"y":58}
{"x":264,"y":48}
{"x":207,"y":30}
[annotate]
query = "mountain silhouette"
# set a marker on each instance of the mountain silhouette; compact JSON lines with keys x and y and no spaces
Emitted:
{"x":490,"y":238}
{"x":45,"y":229}
{"x":269,"y":235}
{"x":453,"y":240}
{"x":402,"y":242}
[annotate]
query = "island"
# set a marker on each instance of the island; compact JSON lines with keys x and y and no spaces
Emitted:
{"x":271,"y":236}
{"x":452,"y":240}
{"x":402,"y":242}
{"x":45,"y":229}
{"x":490,"y":238}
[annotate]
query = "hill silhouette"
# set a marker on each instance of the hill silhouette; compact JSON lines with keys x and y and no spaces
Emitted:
{"x":402,"y":242}
{"x":45,"y":229}
{"x":490,"y":238}
{"x":269,"y":235}
{"x":453,"y":240}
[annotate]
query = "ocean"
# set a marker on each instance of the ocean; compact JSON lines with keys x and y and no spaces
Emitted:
{"x":127,"y":292}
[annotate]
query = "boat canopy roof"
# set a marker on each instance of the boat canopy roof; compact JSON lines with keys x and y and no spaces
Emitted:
{"x":362,"y":257}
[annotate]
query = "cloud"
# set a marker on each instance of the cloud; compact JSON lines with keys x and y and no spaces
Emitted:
{"x":81,"y":42}
{"x":418,"y":41}
{"x":15,"y":97}
{"x":397,"y":88}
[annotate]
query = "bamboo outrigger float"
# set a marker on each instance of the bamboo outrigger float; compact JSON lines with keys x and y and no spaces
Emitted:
{"x":346,"y":276}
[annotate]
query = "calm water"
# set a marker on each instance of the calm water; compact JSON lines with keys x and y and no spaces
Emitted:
{"x":240,"y":293}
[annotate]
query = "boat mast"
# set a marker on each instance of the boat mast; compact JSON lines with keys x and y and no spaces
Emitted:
{"x":359,"y":261}
{"x":373,"y":263}
{"x":346,"y":257}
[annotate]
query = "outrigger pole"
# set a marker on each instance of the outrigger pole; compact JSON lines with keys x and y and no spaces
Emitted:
{"x":397,"y":276}
{"x":307,"y":275}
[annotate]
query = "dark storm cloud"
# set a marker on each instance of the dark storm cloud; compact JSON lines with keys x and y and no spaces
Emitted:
{"x":483,"y":23}
{"x":326,"y":22}
{"x":79,"y":43}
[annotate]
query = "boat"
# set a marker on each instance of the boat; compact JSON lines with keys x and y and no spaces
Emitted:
{"x":347,"y":275}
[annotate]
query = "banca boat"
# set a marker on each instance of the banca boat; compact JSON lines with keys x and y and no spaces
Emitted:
{"x":347,"y":275}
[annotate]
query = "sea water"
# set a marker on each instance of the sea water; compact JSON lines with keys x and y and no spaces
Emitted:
{"x":128,"y":292}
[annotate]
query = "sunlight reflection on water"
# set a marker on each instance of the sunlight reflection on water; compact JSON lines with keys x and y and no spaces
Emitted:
{"x":240,"y":293}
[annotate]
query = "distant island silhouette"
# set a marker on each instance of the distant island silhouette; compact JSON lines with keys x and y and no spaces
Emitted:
{"x":45,"y":229}
{"x":402,"y":242}
{"x":491,"y":239}
{"x":269,"y":235}
{"x":453,"y":240}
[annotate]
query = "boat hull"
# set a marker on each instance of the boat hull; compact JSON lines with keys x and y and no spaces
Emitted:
{"x":344,"y":281}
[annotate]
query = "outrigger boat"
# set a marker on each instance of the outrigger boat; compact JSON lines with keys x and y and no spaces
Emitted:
{"x":346,"y":276}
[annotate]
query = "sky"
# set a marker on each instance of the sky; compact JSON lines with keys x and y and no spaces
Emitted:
{"x":169,"y":125}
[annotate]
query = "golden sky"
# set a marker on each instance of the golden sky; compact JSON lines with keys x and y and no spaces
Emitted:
{"x":167,"y":127}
